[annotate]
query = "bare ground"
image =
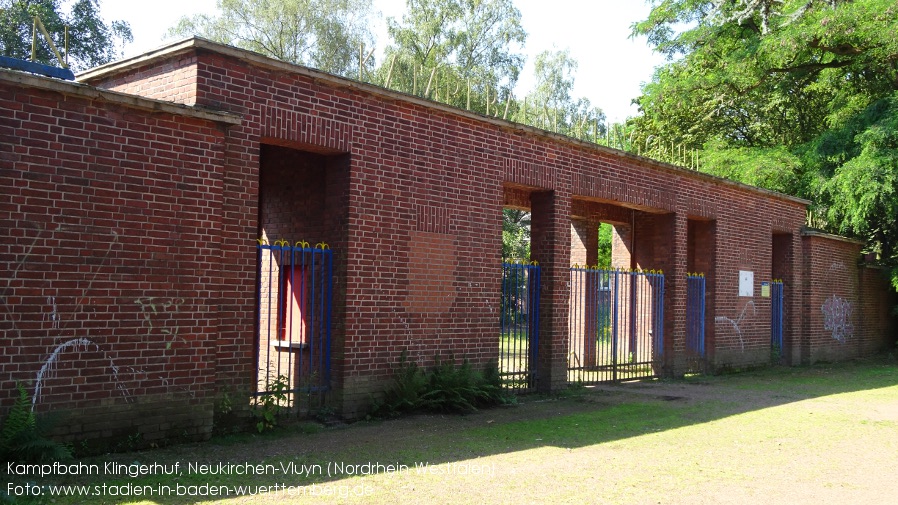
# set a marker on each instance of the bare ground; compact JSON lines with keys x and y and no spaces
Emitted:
{"x":825,"y":434}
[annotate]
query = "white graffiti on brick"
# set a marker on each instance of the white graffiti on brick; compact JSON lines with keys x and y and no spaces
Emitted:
{"x":736,"y":323}
{"x":76,"y":345}
{"x":53,"y":314}
{"x":837,"y":317}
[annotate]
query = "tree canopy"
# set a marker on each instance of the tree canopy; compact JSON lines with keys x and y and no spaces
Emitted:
{"x":763,"y":73}
{"x":325,"y":34}
{"x":91,"y":41}
{"x":515,"y":235}
{"x":798,"y":96}
{"x":551,"y":104}
{"x":462,"y":52}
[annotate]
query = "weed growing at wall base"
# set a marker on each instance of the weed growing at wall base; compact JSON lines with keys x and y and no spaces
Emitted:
{"x":23,"y":436}
{"x":269,"y":405}
{"x":444,"y":387}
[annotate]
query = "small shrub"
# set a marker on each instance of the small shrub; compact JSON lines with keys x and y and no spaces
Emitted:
{"x":269,"y":406}
{"x":444,"y":387}
{"x":22,"y":438}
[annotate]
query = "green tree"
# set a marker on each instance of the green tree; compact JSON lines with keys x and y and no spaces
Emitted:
{"x":515,"y":235}
{"x":793,"y":95}
{"x":325,"y":34}
{"x":461,"y":52}
{"x":605,"y":240}
{"x":760,"y":73}
{"x":858,"y":176}
{"x":91,"y":41}
{"x":551,"y":106}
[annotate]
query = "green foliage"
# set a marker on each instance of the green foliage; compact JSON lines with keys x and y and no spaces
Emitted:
{"x":796,"y":96}
{"x":444,"y":387}
{"x":858,"y":180}
{"x":551,"y":106}
{"x":515,"y":235}
{"x":461,"y":52}
{"x":224,"y":405}
{"x":605,"y":238}
{"x":269,"y":405}
{"x":92,"y":42}
{"x":22,"y":438}
{"x":762,"y":73}
{"x":774,"y":168}
{"x":325,"y":34}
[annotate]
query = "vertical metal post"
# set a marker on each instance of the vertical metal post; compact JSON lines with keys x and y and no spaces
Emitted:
{"x":614,"y":334}
{"x":34,"y":40}
{"x":330,"y":302}
{"x":776,"y":324}
{"x":533,"y":337}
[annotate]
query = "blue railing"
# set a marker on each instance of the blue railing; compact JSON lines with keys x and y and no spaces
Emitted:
{"x":695,"y":316}
{"x":776,"y":318}
{"x":616,"y":324}
{"x":519,"y":325}
{"x":294,"y":309}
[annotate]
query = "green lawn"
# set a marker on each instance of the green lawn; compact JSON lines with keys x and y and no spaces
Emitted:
{"x":822,"y":434}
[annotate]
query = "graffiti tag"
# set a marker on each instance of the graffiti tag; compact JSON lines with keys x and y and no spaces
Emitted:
{"x":837,"y":317}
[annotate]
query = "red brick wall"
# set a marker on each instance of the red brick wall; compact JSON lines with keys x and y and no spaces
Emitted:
{"x":846,"y":306}
{"x":109,"y":248}
{"x":413,"y":166}
{"x":419,"y":184}
{"x":172,"y":81}
{"x":877,"y":300}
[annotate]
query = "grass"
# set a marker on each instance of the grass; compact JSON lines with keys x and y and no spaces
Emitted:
{"x":782,"y":435}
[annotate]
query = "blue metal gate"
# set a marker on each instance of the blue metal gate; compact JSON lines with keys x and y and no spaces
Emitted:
{"x":616,"y":325}
{"x":294,"y":320}
{"x":695,"y":322}
{"x":519,"y":325}
{"x":776,"y":319}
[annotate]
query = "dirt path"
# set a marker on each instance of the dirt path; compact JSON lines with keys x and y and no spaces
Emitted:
{"x":816,"y":435}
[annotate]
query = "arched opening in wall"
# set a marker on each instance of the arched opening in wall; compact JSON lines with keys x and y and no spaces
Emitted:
{"x":617,"y":293}
{"x":519,"y":295}
{"x":302,"y":237}
{"x":701,"y":237}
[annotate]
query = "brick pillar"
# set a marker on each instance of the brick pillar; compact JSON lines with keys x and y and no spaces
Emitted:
{"x":675,"y":250}
{"x":795,"y":301}
{"x":621,"y":245}
{"x":550,"y":247}
{"x":661,"y":243}
{"x":584,"y":252}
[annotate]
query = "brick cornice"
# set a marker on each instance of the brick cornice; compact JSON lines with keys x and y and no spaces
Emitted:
{"x":68,"y":88}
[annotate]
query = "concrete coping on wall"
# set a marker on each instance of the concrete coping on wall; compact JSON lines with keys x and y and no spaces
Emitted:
{"x":196,"y":43}
{"x":69,"y":88}
{"x":812,"y":232}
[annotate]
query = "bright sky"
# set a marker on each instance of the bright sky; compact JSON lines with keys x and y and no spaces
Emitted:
{"x":611,"y":66}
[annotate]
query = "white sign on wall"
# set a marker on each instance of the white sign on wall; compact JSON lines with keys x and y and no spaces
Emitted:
{"x":746,"y":283}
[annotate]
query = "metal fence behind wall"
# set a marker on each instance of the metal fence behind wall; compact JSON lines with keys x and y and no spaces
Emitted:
{"x":294,"y":321}
{"x":519,"y":325}
{"x":616,"y":325}
{"x":776,"y":318}
{"x":695,"y":322}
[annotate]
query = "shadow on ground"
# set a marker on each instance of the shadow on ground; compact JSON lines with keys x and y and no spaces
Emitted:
{"x":581,"y":417}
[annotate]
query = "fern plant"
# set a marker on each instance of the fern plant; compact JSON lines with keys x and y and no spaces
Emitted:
{"x":444,"y":387}
{"x":22,"y":438}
